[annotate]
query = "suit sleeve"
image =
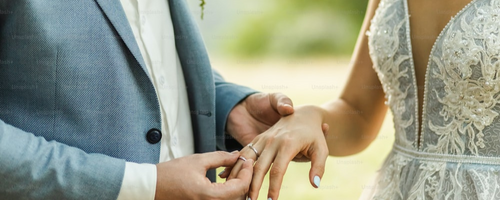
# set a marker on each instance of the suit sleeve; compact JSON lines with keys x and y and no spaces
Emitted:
{"x":227,"y":95}
{"x":33,"y":168}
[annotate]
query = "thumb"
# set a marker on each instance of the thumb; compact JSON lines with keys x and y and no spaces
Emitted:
{"x":281,"y":104}
{"x":318,"y":161}
{"x":218,"y":159}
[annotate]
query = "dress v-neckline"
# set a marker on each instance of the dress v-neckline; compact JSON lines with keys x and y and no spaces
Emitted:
{"x":420,"y":127}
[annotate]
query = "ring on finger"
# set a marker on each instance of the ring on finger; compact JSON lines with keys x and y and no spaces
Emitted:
{"x":254,"y":150}
{"x":242,"y":158}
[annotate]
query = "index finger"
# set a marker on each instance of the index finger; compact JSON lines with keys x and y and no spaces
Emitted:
{"x":218,"y":159}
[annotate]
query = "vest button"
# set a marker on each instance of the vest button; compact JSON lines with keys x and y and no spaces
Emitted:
{"x":153,"y":136}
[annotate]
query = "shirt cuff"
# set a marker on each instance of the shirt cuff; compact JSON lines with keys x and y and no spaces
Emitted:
{"x":139,"y":182}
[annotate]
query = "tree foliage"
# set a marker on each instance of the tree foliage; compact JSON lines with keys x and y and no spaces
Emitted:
{"x":300,"y":28}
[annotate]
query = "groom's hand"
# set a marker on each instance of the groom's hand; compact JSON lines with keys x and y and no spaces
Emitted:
{"x":257,"y":113}
{"x":185,"y":178}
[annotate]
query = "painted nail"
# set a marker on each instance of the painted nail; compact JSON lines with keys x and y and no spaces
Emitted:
{"x":316,"y":180}
{"x":222,"y":172}
{"x":269,"y":198}
{"x":249,"y":198}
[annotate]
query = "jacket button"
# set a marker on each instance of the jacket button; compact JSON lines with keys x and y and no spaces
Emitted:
{"x":153,"y":136}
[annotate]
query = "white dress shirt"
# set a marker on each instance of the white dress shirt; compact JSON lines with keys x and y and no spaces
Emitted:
{"x":152,"y":27}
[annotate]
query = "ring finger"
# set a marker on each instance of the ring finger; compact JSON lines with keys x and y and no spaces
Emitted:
{"x":247,"y":153}
{"x":261,"y":168}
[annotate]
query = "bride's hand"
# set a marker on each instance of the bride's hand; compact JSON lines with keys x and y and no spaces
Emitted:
{"x":298,"y":137}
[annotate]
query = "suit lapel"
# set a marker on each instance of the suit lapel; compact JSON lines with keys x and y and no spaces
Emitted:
{"x":114,"y":11}
{"x":197,"y":74}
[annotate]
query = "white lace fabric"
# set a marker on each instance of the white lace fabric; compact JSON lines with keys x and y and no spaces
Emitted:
{"x":459,"y":153}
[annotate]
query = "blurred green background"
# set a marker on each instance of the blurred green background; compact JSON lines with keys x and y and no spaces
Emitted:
{"x":302,"y":49}
{"x":284,"y":28}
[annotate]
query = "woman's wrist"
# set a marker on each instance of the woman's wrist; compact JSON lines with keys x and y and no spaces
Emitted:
{"x":312,"y":111}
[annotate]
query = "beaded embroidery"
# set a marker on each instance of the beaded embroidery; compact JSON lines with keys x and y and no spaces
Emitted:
{"x":459,"y":153}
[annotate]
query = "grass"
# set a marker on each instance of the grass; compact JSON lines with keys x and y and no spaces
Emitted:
{"x":313,"y":81}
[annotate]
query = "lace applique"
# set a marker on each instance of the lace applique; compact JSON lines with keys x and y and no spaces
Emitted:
{"x":428,"y":183}
{"x":389,"y":63}
{"x":390,"y":183}
{"x":408,"y":178}
{"x":487,"y":183}
{"x":460,"y":154}
{"x":469,"y":68}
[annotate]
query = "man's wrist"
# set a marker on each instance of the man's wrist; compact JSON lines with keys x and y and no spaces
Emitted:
{"x":234,"y":120}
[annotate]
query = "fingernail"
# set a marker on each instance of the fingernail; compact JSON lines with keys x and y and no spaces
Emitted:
{"x":236,"y":151}
{"x":287,"y":105}
{"x":222,"y":172}
{"x":249,"y":198}
{"x":316,"y":181}
{"x":269,"y":198}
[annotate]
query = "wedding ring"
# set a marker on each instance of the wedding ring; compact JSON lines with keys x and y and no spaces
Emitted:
{"x":254,"y":150}
{"x":242,"y":158}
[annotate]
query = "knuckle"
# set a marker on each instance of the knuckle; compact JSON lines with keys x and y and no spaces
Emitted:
{"x":286,"y":139}
{"x":257,"y":138}
{"x":324,"y":151}
{"x":320,"y":149}
{"x":268,"y":139}
{"x":276,"y":171}
{"x":259,"y":169}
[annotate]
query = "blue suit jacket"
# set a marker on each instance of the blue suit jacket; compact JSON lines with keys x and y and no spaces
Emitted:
{"x":76,"y":101}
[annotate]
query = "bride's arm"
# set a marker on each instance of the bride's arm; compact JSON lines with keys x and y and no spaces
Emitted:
{"x":354,"y":121}
{"x":356,"y":117}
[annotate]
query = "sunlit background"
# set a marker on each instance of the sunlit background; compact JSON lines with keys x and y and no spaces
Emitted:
{"x":302,"y":49}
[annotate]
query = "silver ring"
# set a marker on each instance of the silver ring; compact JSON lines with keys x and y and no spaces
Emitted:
{"x":253,"y":149}
{"x":242,"y":158}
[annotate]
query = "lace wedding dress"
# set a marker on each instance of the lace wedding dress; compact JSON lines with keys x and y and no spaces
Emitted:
{"x":457,"y":155}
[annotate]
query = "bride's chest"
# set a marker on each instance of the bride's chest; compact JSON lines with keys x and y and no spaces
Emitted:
{"x":461,"y":93}
{"x":468,"y":44}
{"x":426,"y":21}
